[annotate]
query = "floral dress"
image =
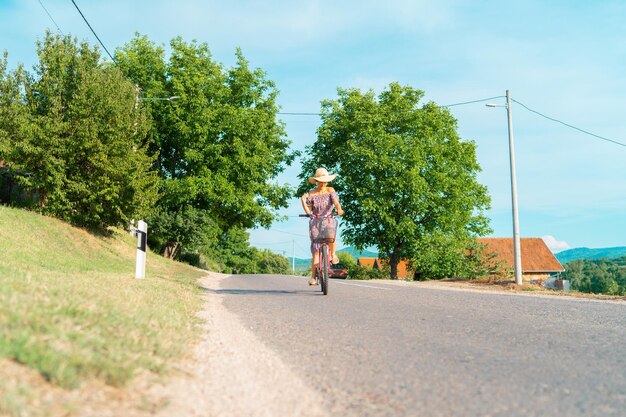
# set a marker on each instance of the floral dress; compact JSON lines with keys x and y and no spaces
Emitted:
{"x":321,"y":225}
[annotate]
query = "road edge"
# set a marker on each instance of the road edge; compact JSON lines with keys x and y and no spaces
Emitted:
{"x":232,"y":373}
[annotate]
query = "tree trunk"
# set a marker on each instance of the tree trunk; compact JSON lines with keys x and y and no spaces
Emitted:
{"x":171,"y":250}
{"x":393,"y":264}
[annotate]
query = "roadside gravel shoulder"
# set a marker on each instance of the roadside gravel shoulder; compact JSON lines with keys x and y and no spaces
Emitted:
{"x":529,"y":290}
{"x":232,"y":373}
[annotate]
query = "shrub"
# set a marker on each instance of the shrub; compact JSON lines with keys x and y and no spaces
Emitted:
{"x":356,"y":271}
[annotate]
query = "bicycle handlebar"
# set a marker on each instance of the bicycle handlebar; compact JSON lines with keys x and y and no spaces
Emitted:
{"x":332,"y":214}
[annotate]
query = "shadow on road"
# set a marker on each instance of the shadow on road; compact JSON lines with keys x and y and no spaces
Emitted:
{"x":270,"y":292}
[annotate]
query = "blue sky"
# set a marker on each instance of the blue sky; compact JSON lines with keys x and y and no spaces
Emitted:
{"x":565,"y":59}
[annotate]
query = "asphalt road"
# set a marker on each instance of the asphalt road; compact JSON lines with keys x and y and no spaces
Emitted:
{"x":378,"y":349}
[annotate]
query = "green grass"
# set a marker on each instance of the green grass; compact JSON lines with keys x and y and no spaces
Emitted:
{"x":71,"y":309}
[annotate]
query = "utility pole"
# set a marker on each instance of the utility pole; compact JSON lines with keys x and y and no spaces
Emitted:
{"x":517,"y":247}
{"x":293,"y":257}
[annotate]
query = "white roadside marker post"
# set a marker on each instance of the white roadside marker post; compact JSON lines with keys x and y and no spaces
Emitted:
{"x":142,"y":236}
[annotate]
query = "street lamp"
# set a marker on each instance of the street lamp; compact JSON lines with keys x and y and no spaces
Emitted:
{"x":517,"y":248}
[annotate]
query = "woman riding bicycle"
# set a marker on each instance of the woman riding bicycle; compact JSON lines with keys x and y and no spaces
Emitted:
{"x":319,"y":204}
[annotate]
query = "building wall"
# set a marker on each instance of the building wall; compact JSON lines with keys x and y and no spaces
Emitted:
{"x":527,"y":276}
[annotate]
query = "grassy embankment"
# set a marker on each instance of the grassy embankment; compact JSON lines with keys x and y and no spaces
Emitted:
{"x":71,"y":309}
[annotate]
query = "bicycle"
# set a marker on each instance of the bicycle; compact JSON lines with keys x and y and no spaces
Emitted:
{"x":322,"y":271}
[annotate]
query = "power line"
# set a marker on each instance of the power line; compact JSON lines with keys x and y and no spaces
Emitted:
{"x":447,"y":105}
{"x":569,"y":125}
{"x":51,"y":18}
{"x":307,"y":249}
{"x":289,"y":233}
{"x":271,"y":244}
{"x":472,"y":102}
{"x":94,"y":32}
{"x":488,"y":99}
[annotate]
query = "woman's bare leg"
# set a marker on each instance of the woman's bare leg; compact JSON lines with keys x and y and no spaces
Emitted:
{"x":314,"y":263}
{"x":333,"y":255}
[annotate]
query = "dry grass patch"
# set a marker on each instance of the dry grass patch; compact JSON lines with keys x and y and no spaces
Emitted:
{"x":26,"y":393}
{"x":509,"y":285}
{"x":72,"y":312}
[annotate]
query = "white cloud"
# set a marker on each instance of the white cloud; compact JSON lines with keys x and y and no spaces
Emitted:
{"x":555,"y":245}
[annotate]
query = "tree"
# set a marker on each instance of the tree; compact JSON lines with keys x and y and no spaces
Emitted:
{"x":14,"y":123}
{"x":13,"y":116}
{"x":234,"y":251}
{"x":346,"y":259}
{"x":220,"y":146}
{"x":186,"y":227}
{"x":79,"y":144}
{"x":600,"y":276}
{"x":269,"y":262}
{"x":407,"y":180}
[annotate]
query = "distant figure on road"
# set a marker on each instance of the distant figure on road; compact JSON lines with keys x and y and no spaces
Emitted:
{"x":319,"y":204}
{"x":235,"y":272}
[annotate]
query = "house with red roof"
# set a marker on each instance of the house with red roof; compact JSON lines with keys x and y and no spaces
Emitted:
{"x":404,"y":272}
{"x":368,"y":262}
{"x":538,"y":262}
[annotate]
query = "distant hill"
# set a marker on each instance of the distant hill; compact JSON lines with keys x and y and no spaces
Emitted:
{"x":590,"y":253}
{"x":356,"y":254}
{"x":302,"y":264}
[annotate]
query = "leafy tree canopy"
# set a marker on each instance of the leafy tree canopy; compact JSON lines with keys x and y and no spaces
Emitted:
{"x":74,"y":132}
{"x":406,"y":179}
{"x":599,"y":276}
{"x":235,"y":253}
{"x":219,"y":147}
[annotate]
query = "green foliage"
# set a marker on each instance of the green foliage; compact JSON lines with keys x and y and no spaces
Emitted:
{"x":268,"y":262}
{"x":220,"y":146}
{"x":346,"y":258}
{"x":356,"y":271}
{"x":485,"y":264}
{"x":82,"y":144}
{"x":71,"y":309}
{"x":183,"y":226}
{"x":597,"y":276}
{"x":14,"y":119}
{"x":447,"y":257}
{"x":77,"y":136}
{"x":14,"y":126}
{"x":406,"y":179}
{"x":235,"y":253}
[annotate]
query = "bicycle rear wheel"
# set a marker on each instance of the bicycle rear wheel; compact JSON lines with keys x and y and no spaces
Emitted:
{"x":325,"y":272}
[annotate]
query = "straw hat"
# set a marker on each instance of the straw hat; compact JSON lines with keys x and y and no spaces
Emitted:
{"x":322,"y":175}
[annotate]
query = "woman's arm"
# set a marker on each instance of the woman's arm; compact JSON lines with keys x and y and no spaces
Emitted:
{"x":337,"y":205}
{"x":305,"y":206}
